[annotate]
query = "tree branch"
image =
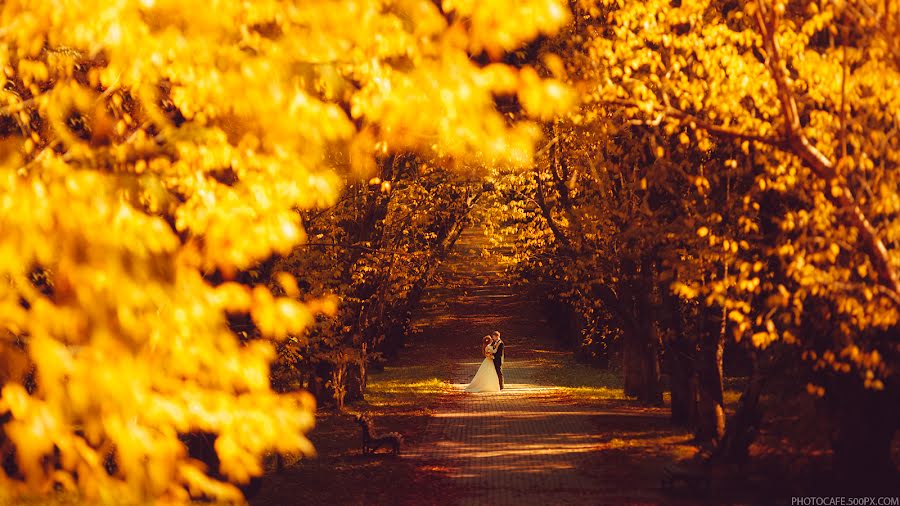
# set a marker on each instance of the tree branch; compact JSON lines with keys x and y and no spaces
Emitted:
{"x":840,"y":193}
{"x":697,"y":122}
{"x":548,"y":216}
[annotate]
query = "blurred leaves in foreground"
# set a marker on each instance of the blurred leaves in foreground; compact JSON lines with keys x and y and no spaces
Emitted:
{"x":149,"y":155}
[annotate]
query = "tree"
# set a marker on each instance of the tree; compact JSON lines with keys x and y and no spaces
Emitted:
{"x":747,"y":149}
{"x":377,"y":250}
{"x":152,"y":158}
{"x":765,"y":77}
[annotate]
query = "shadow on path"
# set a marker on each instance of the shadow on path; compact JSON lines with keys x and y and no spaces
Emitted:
{"x":532,"y":443}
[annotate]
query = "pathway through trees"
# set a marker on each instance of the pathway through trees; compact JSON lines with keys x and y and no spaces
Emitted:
{"x":560,"y":433}
{"x":540,"y":441}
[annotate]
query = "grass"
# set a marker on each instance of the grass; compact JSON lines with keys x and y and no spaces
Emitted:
{"x":588,"y":383}
{"x":399,"y":390}
{"x":581,"y":381}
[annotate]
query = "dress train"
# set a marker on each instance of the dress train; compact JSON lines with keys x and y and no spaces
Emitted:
{"x":485,"y":379}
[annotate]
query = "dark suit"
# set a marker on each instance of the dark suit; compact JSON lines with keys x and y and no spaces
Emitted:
{"x":498,"y":363}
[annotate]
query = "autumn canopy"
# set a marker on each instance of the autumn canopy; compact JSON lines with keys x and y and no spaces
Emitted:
{"x":212,"y":217}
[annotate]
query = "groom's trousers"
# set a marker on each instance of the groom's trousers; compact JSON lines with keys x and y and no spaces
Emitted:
{"x":498,"y":365}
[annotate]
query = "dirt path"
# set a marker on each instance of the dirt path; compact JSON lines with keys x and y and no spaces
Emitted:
{"x":560,"y":433}
{"x":535,"y":442}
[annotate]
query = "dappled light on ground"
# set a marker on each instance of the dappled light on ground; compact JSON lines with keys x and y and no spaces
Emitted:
{"x":543,"y":439}
{"x":536,"y":443}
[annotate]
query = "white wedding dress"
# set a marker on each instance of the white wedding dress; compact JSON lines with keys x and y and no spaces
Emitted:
{"x":485,"y":379}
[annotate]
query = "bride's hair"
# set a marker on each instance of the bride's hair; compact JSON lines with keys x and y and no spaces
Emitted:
{"x":486,"y":340}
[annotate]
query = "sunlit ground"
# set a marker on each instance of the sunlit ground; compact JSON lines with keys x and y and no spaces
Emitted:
{"x":543,"y":439}
{"x":560,"y":432}
{"x":408,"y":389}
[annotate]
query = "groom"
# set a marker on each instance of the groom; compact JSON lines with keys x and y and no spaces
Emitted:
{"x":498,"y":356}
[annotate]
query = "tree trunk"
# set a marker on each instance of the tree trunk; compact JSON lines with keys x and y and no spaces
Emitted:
{"x":711,"y":426}
{"x":743,"y":426}
{"x":641,"y":362}
{"x":683,"y":388}
{"x":646,"y":312}
{"x":680,"y":353}
{"x":640,"y":342}
{"x":632,"y":363}
{"x":651,"y":385}
{"x":865,"y":425}
{"x":653,"y":377}
{"x":354,"y":383}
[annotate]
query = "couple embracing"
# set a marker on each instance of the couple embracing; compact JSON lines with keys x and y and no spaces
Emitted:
{"x":489,"y":377}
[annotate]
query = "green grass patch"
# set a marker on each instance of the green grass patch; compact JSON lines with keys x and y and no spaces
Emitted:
{"x":581,"y":381}
{"x":589,"y":393}
{"x":404,"y":386}
{"x":586,"y":382}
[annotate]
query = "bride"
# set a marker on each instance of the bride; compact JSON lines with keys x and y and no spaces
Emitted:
{"x":486,"y":379}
